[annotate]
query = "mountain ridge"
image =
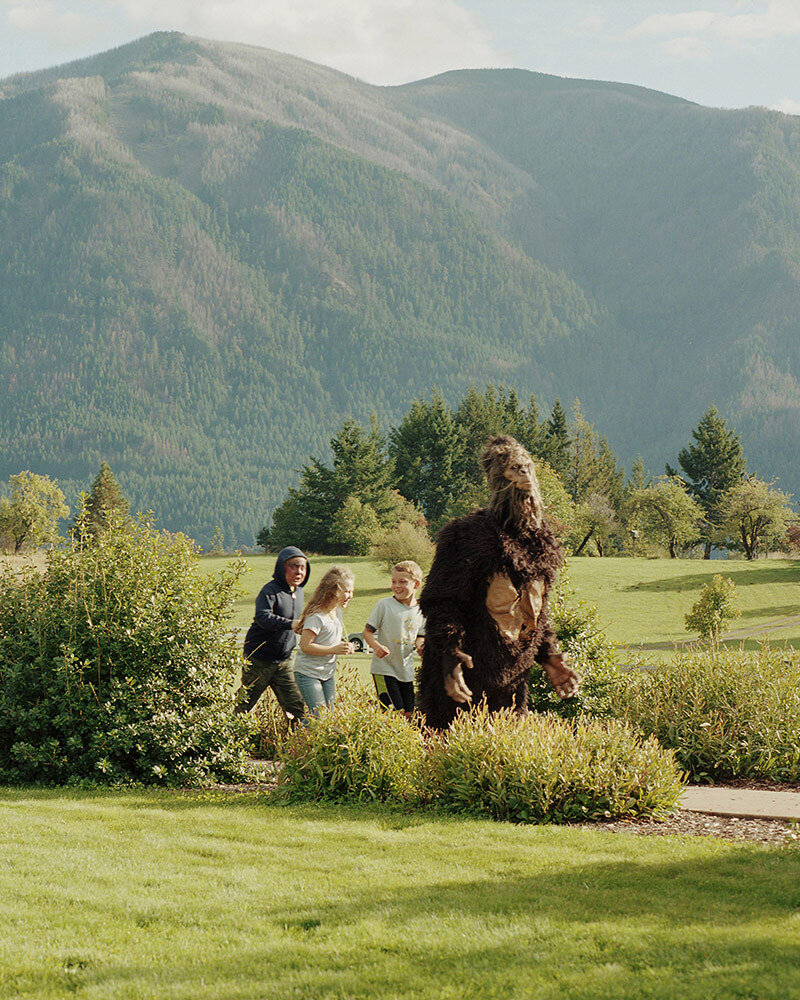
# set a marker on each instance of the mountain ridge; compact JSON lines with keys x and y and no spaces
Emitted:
{"x":214,"y":253}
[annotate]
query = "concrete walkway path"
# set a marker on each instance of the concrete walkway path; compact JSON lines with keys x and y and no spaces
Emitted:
{"x":746,"y":803}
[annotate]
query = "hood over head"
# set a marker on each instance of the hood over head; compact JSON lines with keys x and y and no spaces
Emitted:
{"x":290,"y":552}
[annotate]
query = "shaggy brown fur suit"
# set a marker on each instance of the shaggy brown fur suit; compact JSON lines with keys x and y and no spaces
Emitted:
{"x":469,"y":551}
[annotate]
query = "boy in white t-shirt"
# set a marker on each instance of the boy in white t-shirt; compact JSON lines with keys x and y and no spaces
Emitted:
{"x":394,"y":632}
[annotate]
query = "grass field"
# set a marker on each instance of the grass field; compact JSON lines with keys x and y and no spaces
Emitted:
{"x":175,"y":896}
{"x":641,"y":602}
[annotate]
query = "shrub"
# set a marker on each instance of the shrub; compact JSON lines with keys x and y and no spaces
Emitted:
{"x":535,"y":769}
{"x":356,"y":753}
{"x":116,"y":663}
{"x":405,"y":541}
{"x":713,"y":608}
{"x":577,"y":626}
{"x":268,"y":727}
{"x":354,"y":527}
{"x":725,"y":713}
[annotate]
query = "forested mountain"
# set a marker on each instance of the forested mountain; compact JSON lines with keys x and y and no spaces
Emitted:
{"x":210,"y":254}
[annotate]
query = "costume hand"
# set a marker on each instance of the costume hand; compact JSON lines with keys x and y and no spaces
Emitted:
{"x":563,"y":678}
{"x":454,"y":684}
{"x":380,"y":650}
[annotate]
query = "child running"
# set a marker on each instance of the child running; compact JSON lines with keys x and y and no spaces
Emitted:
{"x":320,"y":629}
{"x":394,"y":632}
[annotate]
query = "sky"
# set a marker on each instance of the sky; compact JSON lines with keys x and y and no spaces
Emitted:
{"x":722,"y":54}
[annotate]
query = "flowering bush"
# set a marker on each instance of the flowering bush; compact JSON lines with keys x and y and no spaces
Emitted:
{"x":536,"y":769}
{"x":116,"y":663}
{"x":725,"y":713}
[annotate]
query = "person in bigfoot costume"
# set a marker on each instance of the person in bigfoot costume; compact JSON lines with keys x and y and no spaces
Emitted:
{"x":485,"y":598}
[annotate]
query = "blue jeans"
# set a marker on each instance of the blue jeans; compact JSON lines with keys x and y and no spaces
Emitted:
{"x":316,"y":693}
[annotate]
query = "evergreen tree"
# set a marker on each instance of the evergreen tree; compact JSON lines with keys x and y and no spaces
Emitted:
{"x":712,"y":466}
{"x":592,"y":467}
{"x":105,"y":502}
{"x":555,"y":441}
{"x":480,"y":416}
{"x":639,"y":477}
{"x":316,"y":510}
{"x":428,"y":452}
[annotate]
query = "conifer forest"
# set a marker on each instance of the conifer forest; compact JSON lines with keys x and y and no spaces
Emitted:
{"x":212,"y":256}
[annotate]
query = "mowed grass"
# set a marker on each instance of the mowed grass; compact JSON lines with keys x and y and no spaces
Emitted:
{"x":160,"y":896}
{"x":641,"y":602}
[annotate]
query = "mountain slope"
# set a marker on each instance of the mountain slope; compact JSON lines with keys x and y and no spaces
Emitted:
{"x":683,"y":222}
{"x":199,"y":294}
{"x":212,"y":253}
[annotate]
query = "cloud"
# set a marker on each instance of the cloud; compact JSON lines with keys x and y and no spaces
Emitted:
{"x":57,"y":26}
{"x":382,"y":41}
{"x":771,"y":21}
{"x":591,"y":24}
{"x":788,"y":106}
{"x":686,"y":47}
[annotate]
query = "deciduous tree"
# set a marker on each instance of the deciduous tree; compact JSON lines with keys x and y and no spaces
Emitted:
{"x":595,"y":519}
{"x":667,"y":513}
{"x":713,"y":608}
{"x":755,"y":514}
{"x":29,"y":515}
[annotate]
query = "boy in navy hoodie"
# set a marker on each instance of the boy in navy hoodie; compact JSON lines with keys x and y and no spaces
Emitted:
{"x":270,"y":640}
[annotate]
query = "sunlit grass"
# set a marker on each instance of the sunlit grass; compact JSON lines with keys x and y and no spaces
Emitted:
{"x":642,"y":602}
{"x":213,"y":895}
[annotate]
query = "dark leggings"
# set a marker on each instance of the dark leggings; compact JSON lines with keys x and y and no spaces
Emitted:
{"x":393,"y":693}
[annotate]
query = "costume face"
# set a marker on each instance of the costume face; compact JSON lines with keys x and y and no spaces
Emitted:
{"x":520,"y":473}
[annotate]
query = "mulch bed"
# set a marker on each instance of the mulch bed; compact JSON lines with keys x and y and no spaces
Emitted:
{"x":774,"y":832}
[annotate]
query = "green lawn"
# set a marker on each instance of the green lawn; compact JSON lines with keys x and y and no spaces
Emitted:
{"x":159,"y":896}
{"x":641,"y":601}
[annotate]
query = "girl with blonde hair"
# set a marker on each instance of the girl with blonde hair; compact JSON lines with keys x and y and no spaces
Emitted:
{"x":320,"y":628}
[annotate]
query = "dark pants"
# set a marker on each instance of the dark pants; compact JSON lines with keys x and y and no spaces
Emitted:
{"x":393,"y":693}
{"x":258,"y":675}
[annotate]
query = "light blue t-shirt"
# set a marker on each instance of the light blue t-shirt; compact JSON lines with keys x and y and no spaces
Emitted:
{"x":328,"y":631}
{"x":397,"y":626}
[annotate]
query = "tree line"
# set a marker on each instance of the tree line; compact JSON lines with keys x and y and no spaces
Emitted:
{"x":426,"y":470}
{"x":390,"y":493}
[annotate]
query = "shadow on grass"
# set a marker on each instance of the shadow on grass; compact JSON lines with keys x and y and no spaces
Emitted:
{"x":507,"y":933}
{"x":777,"y":611}
{"x":743,"y":578}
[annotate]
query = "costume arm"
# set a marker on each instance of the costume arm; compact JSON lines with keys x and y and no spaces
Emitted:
{"x":548,"y":644}
{"x":445,"y":599}
{"x":454,"y":592}
{"x":554,"y":663}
